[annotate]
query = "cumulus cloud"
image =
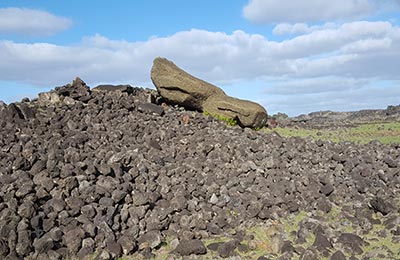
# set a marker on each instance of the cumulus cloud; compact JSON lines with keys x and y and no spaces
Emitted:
{"x":31,"y":22}
{"x":271,"y":11}
{"x":323,"y":61}
{"x":300,"y":28}
{"x":294,"y":15}
{"x":316,"y":85}
{"x":217,"y":56}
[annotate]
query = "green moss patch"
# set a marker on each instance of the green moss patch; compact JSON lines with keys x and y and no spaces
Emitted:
{"x":228,"y":120}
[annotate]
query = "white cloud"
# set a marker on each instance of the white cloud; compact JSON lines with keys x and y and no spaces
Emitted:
{"x":217,"y":56}
{"x":324,"y":61}
{"x":368,"y":45}
{"x":31,"y":22}
{"x":300,"y":28}
{"x":316,"y":85}
{"x":286,"y":28}
{"x":271,"y":11}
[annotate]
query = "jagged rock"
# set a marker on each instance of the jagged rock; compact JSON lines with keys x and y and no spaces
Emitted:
{"x":128,"y":245}
{"x":4,"y":250}
{"x":151,"y":109}
{"x":25,"y":111}
{"x":49,"y":98}
{"x":380,"y":205}
{"x":77,"y":90}
{"x":179,"y":87}
{"x":227,"y":249}
{"x":352,"y":242}
{"x":108,"y":88}
{"x":322,"y":243}
{"x":338,"y":255}
{"x":151,"y":238}
{"x":2,"y":106}
{"x":16,"y":112}
{"x":287,"y":247}
{"x":188,"y":247}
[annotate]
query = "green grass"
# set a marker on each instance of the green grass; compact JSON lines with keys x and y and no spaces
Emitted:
{"x":264,"y":234}
{"x":228,"y":120}
{"x":291,"y":223}
{"x":385,"y":132}
{"x":379,"y":243}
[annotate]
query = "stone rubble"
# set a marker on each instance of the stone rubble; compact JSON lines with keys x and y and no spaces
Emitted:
{"x":104,"y":173}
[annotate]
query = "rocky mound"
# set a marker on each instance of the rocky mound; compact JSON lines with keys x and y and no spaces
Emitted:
{"x":105,"y":172}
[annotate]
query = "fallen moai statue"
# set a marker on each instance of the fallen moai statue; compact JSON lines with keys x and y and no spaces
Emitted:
{"x":179,"y":87}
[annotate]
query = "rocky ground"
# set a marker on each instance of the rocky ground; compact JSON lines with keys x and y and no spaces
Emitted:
{"x":110,"y":173}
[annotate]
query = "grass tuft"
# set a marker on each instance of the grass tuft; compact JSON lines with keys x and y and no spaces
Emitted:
{"x":229,"y":121}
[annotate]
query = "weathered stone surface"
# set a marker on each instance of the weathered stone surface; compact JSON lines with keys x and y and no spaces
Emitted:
{"x":248,"y":114}
{"x":227,"y":249}
{"x":43,"y":244}
{"x":338,"y":255}
{"x":49,"y":98}
{"x":73,"y":239}
{"x":322,"y":243}
{"x":152,"y":238}
{"x":151,"y":109}
{"x":128,"y":245}
{"x":77,"y":90}
{"x":188,"y":247}
{"x":16,"y":111}
{"x":88,"y":246}
{"x":110,"y":88}
{"x":4,"y":249}
{"x":379,"y":205}
{"x":179,"y":87}
{"x":352,"y":242}
{"x":2,"y":106}
{"x":25,"y":111}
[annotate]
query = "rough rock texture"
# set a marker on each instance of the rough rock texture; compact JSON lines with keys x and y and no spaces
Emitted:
{"x":188,"y":247}
{"x":179,"y":87}
{"x":122,"y":88}
{"x":99,"y":174}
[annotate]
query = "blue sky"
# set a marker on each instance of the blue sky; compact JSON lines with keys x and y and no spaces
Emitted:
{"x":291,"y":56}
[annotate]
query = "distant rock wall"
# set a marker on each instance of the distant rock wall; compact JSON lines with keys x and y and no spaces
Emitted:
{"x":332,"y":118}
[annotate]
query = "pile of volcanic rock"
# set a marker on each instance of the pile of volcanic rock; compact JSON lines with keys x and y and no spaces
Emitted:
{"x":113,"y":171}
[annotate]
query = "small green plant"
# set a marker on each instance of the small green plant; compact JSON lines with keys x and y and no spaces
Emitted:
{"x":229,"y":121}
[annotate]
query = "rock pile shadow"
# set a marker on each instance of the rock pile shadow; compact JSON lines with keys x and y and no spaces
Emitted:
{"x":108,"y":172}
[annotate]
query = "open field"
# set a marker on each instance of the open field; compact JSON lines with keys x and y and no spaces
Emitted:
{"x":384,"y":132}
